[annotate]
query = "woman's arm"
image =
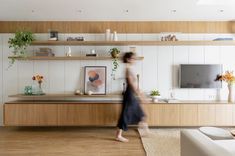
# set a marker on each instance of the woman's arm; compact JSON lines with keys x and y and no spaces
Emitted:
{"x":131,"y":80}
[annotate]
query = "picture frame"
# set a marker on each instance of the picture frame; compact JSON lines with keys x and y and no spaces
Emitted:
{"x":95,"y":80}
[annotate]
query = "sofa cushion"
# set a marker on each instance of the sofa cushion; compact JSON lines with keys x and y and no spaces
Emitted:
{"x":216,"y":133}
{"x":229,"y":145}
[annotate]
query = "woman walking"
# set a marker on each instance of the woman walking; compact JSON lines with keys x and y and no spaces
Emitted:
{"x":132,"y":112}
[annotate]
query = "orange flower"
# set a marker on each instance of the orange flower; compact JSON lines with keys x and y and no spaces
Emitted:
{"x":227,"y":77}
{"x":38,"y":78}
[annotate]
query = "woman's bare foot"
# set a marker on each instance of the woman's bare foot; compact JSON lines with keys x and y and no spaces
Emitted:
{"x":121,"y":139}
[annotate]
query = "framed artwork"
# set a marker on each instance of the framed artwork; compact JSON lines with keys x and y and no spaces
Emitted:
{"x":95,"y":79}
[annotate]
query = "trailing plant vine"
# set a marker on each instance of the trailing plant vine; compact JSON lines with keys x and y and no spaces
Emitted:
{"x":19,"y":43}
{"x":114,"y":53}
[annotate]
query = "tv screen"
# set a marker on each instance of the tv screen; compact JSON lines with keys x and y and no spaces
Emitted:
{"x":200,"y":75}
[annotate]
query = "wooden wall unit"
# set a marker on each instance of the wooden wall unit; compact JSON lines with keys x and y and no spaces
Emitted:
{"x":119,"y":26}
{"x":106,"y":114}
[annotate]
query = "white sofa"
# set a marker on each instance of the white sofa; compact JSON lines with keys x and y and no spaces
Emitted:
{"x":195,"y":143}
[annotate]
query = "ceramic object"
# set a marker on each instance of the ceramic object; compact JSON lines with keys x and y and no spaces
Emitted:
{"x":155,"y":98}
{"x":90,"y":92}
{"x":107,"y":35}
{"x":69,"y":52}
{"x":115,"y":38}
{"x":230,"y":93}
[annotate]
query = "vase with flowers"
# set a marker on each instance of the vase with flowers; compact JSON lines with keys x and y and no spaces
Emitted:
{"x":39,"y":80}
{"x":230,"y":79}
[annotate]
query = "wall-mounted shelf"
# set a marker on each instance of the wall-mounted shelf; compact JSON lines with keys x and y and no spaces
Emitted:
{"x":66,"y":58}
{"x":123,"y":43}
{"x":68,"y":95}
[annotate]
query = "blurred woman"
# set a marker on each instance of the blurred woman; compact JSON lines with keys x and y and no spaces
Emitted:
{"x":132,"y":112}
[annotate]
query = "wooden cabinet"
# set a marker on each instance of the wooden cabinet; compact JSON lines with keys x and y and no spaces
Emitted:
{"x":206,"y":114}
{"x":106,"y":114}
{"x":88,"y":114}
{"x":188,"y":114}
{"x":30,"y":115}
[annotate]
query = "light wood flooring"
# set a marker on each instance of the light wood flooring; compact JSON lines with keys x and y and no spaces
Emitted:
{"x":67,"y":141}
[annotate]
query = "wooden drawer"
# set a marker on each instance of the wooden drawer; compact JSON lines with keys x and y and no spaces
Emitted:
{"x":30,"y":114}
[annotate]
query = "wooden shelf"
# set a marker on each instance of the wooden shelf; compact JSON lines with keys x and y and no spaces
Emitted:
{"x":68,"y":95}
{"x":66,"y":58}
{"x":123,"y":43}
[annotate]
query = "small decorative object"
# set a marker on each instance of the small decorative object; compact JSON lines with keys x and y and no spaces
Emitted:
{"x":230,"y":79}
{"x":155,"y":95}
{"x":45,"y":52}
{"x":114,"y":53}
{"x":69,"y":52}
{"x":107,"y":35}
{"x":90,"y":92}
{"x":78,"y":92}
{"x":28,"y":90}
{"x":54,"y":35}
{"x":92,"y":53}
{"x":39,"y":79}
{"x":95,"y":79}
{"x":19,"y":43}
{"x":115,"y":38}
{"x":80,"y":38}
{"x":169,"y":38}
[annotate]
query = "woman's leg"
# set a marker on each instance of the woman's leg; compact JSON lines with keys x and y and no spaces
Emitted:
{"x":119,"y":136}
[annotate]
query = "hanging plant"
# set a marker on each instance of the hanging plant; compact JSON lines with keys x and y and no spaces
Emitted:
{"x":19,"y":43}
{"x":114,"y":52}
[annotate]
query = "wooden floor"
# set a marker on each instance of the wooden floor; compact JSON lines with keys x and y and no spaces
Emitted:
{"x":67,"y":141}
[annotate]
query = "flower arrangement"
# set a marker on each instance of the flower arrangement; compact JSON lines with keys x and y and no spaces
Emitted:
{"x":227,"y":77}
{"x":230,"y":79}
{"x":38,"y":78}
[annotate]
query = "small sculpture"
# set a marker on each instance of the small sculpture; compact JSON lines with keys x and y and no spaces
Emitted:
{"x":69,"y":52}
{"x":169,"y":38}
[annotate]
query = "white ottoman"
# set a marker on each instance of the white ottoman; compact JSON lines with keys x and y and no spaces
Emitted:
{"x":216,"y":133}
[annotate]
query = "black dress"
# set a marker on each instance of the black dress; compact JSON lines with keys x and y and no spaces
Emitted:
{"x":132,"y":112}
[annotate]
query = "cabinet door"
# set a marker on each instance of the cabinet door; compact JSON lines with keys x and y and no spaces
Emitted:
{"x":224,"y":114}
{"x":153,"y":115}
{"x":206,"y":115}
{"x":188,"y":115}
{"x":88,"y":114}
{"x":169,"y":115}
{"x":30,"y":114}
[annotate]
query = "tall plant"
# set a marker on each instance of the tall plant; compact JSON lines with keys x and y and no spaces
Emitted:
{"x":19,"y":43}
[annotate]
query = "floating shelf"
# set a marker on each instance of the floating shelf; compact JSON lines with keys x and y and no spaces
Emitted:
{"x":68,"y":95}
{"x":66,"y":58}
{"x":123,"y":43}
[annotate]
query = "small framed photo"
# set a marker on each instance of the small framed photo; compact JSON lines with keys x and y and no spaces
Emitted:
{"x":95,"y":80}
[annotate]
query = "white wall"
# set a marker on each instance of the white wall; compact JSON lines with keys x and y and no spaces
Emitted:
{"x":159,"y":69}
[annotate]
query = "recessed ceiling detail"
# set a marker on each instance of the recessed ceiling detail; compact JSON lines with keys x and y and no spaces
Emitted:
{"x":117,"y":10}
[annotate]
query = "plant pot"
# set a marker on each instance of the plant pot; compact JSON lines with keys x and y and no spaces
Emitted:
{"x":114,"y":55}
{"x":155,"y":98}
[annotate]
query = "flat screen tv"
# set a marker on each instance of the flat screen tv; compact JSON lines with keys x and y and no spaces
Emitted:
{"x":200,"y":75}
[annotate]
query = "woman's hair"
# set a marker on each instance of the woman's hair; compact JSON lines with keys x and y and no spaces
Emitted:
{"x":127,"y":56}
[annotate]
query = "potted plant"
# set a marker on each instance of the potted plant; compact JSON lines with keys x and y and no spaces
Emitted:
{"x":19,"y":43}
{"x":114,"y":52}
{"x":155,"y":95}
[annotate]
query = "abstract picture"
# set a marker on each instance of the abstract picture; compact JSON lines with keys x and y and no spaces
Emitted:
{"x":95,"y":79}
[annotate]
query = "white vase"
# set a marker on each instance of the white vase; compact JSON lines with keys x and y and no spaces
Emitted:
{"x":107,"y":35}
{"x":230,"y":93}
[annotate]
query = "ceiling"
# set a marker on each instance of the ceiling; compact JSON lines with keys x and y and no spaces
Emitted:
{"x":116,"y":10}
